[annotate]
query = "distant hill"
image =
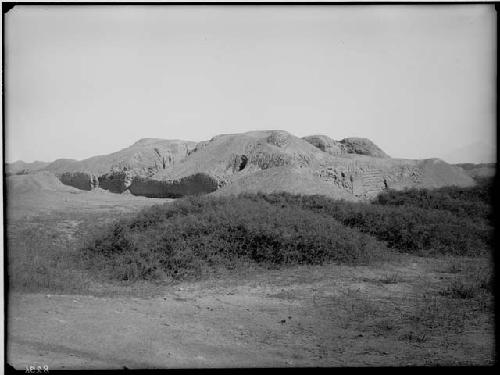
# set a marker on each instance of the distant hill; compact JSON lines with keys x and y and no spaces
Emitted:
{"x":20,"y":167}
{"x":481,"y":170}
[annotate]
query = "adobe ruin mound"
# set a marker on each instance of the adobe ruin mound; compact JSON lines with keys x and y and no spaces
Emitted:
{"x":146,"y":155}
{"x":276,"y":160}
{"x":115,"y":171}
{"x":268,"y":161}
{"x":228,"y":156}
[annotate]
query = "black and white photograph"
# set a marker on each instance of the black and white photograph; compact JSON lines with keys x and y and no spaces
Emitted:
{"x":256,"y":185}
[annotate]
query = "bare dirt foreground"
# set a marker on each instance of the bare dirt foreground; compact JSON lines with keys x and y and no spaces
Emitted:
{"x":306,"y":316}
{"x":391,"y":313}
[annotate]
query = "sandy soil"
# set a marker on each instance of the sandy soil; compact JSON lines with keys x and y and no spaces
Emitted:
{"x":306,"y":316}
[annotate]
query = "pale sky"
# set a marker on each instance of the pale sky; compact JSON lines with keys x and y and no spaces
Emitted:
{"x":85,"y":80}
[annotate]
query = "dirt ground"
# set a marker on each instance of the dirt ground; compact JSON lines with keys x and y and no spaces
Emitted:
{"x":385,"y":314}
{"x":306,"y":316}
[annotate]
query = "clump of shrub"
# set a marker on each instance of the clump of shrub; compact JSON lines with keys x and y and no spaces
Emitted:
{"x":195,"y":236}
{"x":476,"y":281}
{"x":460,"y":289}
{"x":467,"y":202}
{"x":198,"y":235}
{"x":409,"y":229}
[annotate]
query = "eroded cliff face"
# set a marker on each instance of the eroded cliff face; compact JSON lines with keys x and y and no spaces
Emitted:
{"x":115,"y":171}
{"x":199,"y":183}
{"x":116,"y":181}
{"x":80,"y":180}
{"x":360,"y":181}
{"x":365,"y":178}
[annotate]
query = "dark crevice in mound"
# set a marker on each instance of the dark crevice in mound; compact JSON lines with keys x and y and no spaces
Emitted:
{"x":243,"y":163}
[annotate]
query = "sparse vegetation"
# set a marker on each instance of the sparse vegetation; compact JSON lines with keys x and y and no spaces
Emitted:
{"x":44,"y":252}
{"x":475,"y":283}
{"x":41,"y":258}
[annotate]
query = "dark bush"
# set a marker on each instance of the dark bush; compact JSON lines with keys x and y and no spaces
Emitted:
{"x":194,"y":236}
{"x":198,"y":235}
{"x":406,"y":228}
{"x":471,"y":202}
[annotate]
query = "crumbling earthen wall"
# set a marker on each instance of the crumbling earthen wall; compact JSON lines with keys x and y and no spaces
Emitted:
{"x":80,"y":180}
{"x":199,"y":183}
{"x":116,"y":182}
{"x":368,"y":181}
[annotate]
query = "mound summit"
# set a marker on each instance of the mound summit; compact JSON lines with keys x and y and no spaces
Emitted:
{"x":266,"y":161}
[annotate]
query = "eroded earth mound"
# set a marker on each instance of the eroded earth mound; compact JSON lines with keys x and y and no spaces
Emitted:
{"x":115,"y":172}
{"x":146,"y":155}
{"x":36,"y":182}
{"x":267,"y":161}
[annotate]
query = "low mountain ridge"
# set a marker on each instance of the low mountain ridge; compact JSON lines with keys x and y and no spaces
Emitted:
{"x":20,"y":167}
